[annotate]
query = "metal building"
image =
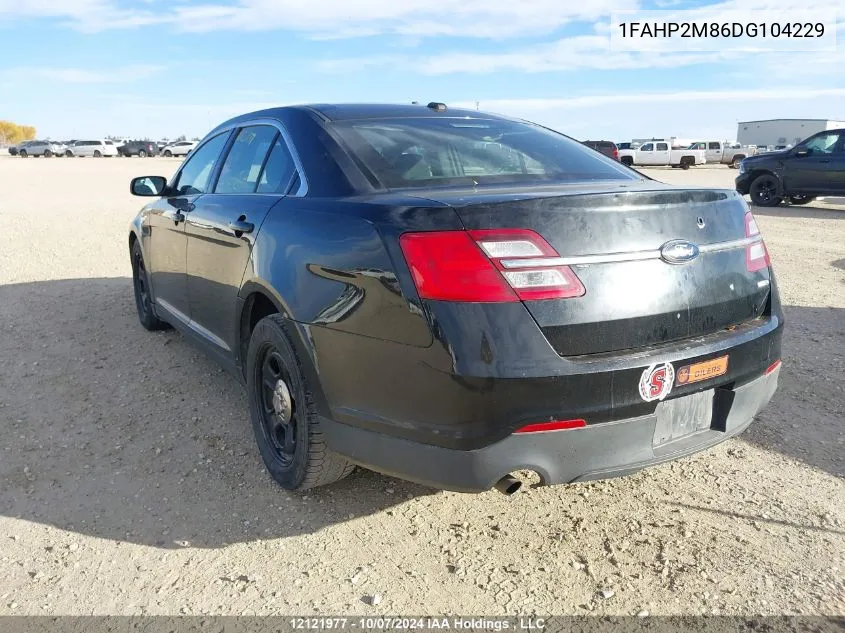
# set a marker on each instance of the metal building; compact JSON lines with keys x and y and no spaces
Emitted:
{"x":782,"y":131}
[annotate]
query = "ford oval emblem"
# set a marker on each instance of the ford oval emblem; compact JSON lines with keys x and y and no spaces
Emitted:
{"x":678,"y":252}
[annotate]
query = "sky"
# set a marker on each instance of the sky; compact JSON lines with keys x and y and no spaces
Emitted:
{"x":162,"y":68}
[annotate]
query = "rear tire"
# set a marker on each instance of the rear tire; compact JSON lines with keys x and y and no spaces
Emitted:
{"x":23,"y":153}
{"x":69,"y":154}
{"x":294,"y":451}
{"x":685,"y":162}
{"x":168,"y":153}
{"x":142,"y":154}
{"x":48,"y":153}
{"x":765,"y":191}
{"x":97,"y":153}
{"x":141,"y":286}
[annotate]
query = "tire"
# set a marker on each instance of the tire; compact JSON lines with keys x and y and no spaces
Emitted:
{"x":685,"y":162}
{"x":48,"y":153}
{"x":800,"y":199}
{"x":168,"y":153}
{"x":735,"y":161}
{"x":69,"y":154}
{"x":142,"y":154}
{"x":295,"y":453}
{"x":627,"y":161}
{"x":23,"y":153}
{"x":765,"y":191}
{"x":97,"y":153}
{"x":141,"y":288}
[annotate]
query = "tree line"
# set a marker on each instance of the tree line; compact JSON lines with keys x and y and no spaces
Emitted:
{"x":12,"y":133}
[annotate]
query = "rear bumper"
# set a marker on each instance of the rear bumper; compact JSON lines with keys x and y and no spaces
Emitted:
{"x":598,"y":451}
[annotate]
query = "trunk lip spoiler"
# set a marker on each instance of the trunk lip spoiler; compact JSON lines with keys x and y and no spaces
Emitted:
{"x":632,"y":256}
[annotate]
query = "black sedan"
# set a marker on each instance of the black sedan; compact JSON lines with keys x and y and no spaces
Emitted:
{"x":449,"y":296}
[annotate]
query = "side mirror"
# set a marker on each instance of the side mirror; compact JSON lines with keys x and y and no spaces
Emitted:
{"x":148,"y":186}
{"x":801,"y":153}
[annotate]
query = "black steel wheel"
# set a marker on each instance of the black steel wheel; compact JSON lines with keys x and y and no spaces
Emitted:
{"x":283,"y":413}
{"x":141,"y":286}
{"x":765,"y":191}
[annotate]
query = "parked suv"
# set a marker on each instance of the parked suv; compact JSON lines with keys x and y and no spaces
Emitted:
{"x":814,"y":167}
{"x":98,"y":148}
{"x":608,"y":148}
{"x":46,"y":149}
{"x":138,"y":148}
{"x":398,"y":292}
{"x":179,"y":148}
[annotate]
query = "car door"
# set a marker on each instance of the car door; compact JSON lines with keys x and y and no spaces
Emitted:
{"x":645,"y":154}
{"x":814,"y":166}
{"x":662,"y":154}
{"x":167,"y":252}
{"x":255,"y":175}
{"x":714,"y":152}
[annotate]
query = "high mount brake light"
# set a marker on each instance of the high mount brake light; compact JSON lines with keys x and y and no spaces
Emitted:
{"x":756,"y":253}
{"x":467,"y":266}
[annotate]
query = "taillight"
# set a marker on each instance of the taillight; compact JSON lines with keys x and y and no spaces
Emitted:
{"x":756,"y":254}
{"x":775,"y":365}
{"x":616,"y":153}
{"x":554,"y":425}
{"x":489,"y":266}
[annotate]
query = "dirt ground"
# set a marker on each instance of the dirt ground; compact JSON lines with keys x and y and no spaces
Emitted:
{"x":130,"y":484}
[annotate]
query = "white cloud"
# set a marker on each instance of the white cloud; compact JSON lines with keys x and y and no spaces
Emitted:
{"x":508,"y":106}
{"x":122,"y":74}
{"x":332,"y":18}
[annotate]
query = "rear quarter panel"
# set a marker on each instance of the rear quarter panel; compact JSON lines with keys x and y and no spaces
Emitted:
{"x":337,"y":264}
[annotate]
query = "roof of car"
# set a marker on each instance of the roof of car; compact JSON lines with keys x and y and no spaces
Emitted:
{"x":351,"y":111}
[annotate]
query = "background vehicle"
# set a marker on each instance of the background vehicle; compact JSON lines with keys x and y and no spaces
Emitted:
{"x":725,"y":153}
{"x":814,"y":167}
{"x":608,"y":148}
{"x":520,"y":288}
{"x":660,"y":153}
{"x":14,"y":149}
{"x":179,"y":148}
{"x":96,"y":149}
{"x":627,"y":145}
{"x":46,"y":149}
{"x":138,"y":148}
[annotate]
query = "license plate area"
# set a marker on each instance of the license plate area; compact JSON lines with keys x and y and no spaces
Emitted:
{"x":682,"y":417}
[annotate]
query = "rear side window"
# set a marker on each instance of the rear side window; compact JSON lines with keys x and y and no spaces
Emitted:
{"x":432,"y":151}
{"x":242,"y":167}
{"x":662,"y":147}
{"x":194,"y":177}
{"x":713,"y":146}
{"x":278,"y":171}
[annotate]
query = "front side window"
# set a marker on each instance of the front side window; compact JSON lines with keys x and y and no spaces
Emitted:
{"x":821,"y":144}
{"x":242,"y":167}
{"x":196,"y":173}
{"x":648,"y":147}
{"x":429,"y":151}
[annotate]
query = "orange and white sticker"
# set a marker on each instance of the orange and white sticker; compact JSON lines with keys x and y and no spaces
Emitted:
{"x":702,"y":371}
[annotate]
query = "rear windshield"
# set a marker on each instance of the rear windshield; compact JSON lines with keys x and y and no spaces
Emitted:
{"x":423,"y":152}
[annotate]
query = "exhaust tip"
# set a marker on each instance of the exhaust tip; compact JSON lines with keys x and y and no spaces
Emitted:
{"x":508,"y":485}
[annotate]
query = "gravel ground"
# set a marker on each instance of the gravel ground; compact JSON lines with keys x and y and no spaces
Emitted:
{"x":129,"y":481}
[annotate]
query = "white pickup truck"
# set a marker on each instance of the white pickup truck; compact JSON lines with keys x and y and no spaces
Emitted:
{"x":660,"y":153}
{"x":724,"y":153}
